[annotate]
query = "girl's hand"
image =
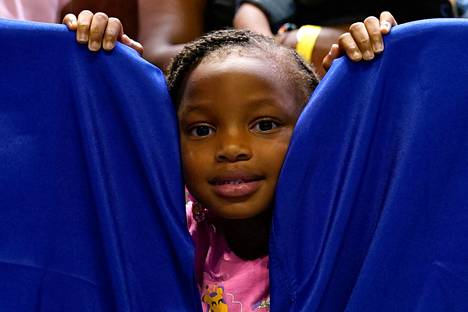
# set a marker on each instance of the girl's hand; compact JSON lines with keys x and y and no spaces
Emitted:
{"x":363,"y":40}
{"x":98,"y":30}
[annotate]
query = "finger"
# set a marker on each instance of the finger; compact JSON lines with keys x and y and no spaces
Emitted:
{"x":112,"y":33}
{"x":132,"y":44}
{"x":387,"y":21}
{"x":138,"y":47}
{"x":361,"y":37}
{"x":373,"y":29}
{"x":349,"y":46}
{"x":334,"y":53}
{"x":70,"y":21}
{"x":84,"y":22}
{"x":96,"y":31}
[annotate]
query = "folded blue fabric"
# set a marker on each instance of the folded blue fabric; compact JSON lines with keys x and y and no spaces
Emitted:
{"x":372,"y":204}
{"x":92,"y":213}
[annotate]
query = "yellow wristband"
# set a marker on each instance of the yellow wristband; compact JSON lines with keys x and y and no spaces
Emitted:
{"x":306,"y":37}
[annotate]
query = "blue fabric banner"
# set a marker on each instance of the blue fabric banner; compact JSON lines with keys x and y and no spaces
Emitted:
{"x":372,"y":204}
{"x":92,"y":213}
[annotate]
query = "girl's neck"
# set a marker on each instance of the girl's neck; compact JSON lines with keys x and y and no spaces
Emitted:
{"x":248,"y":238}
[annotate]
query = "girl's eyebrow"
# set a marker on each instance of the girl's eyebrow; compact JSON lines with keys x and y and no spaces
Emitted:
{"x":265,"y":102}
{"x":194,"y":108}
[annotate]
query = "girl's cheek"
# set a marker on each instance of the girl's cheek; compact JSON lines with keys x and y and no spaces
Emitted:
{"x":189,"y":155}
{"x":191,"y":163}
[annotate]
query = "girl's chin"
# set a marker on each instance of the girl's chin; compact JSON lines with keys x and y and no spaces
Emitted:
{"x":240,"y":215}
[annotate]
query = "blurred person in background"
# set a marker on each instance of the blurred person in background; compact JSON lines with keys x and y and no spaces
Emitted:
{"x":326,"y":20}
{"x":167,"y":25}
{"x":52,"y":11}
{"x":47,"y":11}
{"x":460,"y":8}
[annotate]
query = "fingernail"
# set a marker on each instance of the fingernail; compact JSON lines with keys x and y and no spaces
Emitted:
{"x":94,"y":45}
{"x":82,"y":37}
{"x":107,"y":45}
{"x":367,"y":55}
{"x":386,"y":25}
{"x":356,"y":56}
{"x":378,"y":47}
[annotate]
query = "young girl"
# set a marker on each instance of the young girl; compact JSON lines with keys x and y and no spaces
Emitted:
{"x":238,"y":96}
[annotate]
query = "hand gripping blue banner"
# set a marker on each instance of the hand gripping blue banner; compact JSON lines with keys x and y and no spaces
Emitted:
{"x":372,"y":204}
{"x":92,"y":213}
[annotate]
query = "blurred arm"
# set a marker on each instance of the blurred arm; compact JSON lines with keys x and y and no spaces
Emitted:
{"x":167,"y":25}
{"x":250,"y":16}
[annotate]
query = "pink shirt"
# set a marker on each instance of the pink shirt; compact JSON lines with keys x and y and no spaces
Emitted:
{"x":47,"y":11}
{"x":226,"y":282}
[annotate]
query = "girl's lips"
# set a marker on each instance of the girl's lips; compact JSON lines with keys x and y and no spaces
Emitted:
{"x":237,"y":188}
{"x":236,"y":185}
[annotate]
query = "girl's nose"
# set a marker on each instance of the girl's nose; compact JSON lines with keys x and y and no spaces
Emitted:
{"x":234,"y":149}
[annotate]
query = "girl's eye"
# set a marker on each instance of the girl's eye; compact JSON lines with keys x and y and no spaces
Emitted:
{"x":265,"y":125}
{"x":201,"y":131}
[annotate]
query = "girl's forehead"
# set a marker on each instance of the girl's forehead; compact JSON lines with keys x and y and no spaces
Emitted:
{"x":236,"y":81}
{"x":236,"y":65}
{"x":232,"y":75}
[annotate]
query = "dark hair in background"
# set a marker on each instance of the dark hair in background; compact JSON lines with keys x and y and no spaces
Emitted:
{"x":221,"y":43}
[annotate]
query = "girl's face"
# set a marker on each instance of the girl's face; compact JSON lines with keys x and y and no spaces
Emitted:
{"x":236,"y":118}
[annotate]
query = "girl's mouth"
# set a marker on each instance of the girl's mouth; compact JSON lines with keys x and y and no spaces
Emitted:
{"x":236,"y":186}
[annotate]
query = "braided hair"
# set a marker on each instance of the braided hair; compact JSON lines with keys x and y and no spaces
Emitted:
{"x":222,"y":43}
